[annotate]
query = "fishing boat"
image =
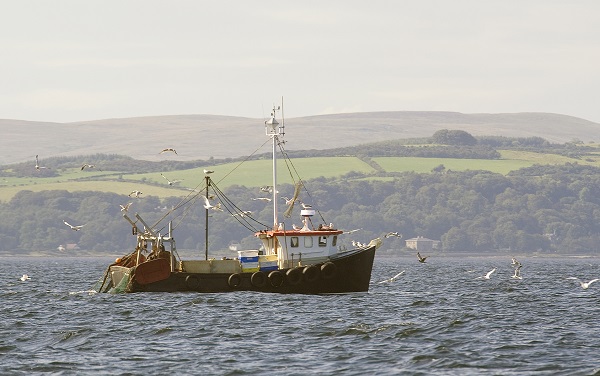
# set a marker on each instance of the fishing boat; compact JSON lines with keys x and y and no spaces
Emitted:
{"x":308,"y":259}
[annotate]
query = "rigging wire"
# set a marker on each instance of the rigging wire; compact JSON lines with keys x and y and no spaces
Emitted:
{"x":190,"y":199}
{"x":288,"y":162}
{"x":187,"y":199}
{"x":235,"y":211}
{"x":198,"y":193}
{"x":242,"y":162}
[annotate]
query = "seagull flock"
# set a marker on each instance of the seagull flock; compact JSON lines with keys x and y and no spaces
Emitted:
{"x":269,"y":189}
{"x":516,"y":275}
{"x":207,"y":204}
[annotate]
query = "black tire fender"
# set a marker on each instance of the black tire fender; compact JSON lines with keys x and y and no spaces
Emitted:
{"x":311,"y":273}
{"x":234,"y":281}
{"x":192,"y":282}
{"x":293,"y":276}
{"x":276,"y":278}
{"x":328,"y":270}
{"x":259,"y":279}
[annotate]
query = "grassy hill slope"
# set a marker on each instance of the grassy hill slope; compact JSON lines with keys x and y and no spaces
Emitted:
{"x":204,"y":136}
{"x":256,"y":173}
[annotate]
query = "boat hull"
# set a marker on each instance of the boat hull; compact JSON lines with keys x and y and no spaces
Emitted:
{"x":348,"y":272}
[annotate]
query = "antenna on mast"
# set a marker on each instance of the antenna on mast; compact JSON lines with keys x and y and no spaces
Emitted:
{"x":274,"y":130}
{"x":272,"y":125}
{"x":282,"y":128}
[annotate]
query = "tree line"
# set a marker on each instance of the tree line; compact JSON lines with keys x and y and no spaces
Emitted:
{"x":547,"y":209}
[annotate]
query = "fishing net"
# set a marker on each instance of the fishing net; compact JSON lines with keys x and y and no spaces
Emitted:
{"x":288,"y":212}
{"x":122,"y":285}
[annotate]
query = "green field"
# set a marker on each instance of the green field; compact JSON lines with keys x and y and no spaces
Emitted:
{"x":250,"y":173}
{"x":258,"y":173}
{"x":510,"y":161}
{"x":502,"y":166}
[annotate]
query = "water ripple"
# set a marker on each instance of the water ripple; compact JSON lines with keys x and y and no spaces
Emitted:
{"x":435,"y":319}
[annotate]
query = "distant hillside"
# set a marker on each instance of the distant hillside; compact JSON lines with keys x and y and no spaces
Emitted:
{"x":203,"y":136}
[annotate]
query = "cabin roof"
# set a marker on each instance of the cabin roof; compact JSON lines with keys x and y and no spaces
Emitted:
{"x":271,"y":233}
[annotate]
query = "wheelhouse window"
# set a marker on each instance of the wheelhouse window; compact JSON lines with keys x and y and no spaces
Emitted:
{"x":294,"y":242}
{"x":334,"y":241}
{"x":322,"y":241}
{"x":308,"y":241}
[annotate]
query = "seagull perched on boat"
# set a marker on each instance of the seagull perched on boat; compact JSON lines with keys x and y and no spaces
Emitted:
{"x":74,"y":228}
{"x":296,"y":227}
{"x":305,"y":206}
{"x":395,"y":233}
{"x":207,"y":172}
{"x":584,"y":285}
{"x":37,"y":164}
{"x":262,"y":199}
{"x":168,"y":149}
{"x":326,"y":227}
{"x":136,"y":194}
{"x":421,"y":258}
{"x":393,"y":278}
{"x":125,"y":208}
{"x":170,"y":182}
{"x":24,"y":278}
{"x":488,"y":275}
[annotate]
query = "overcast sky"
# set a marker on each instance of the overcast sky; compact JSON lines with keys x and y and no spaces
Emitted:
{"x":95,"y":59}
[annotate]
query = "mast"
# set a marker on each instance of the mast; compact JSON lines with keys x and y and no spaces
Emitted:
{"x":273,"y":130}
{"x":206,"y":220}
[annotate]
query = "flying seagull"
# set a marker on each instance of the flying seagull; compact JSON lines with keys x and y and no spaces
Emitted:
{"x":243,"y":213}
{"x":168,"y":149}
{"x":74,"y":228}
{"x":393,"y":278}
{"x":125,"y":208}
{"x":37,"y":163}
{"x":395,"y":233}
{"x":584,"y":285}
{"x":24,"y":278}
{"x":208,"y":205}
{"x":262,"y":199}
{"x":170,"y":182}
{"x":421,"y":258}
{"x":351,"y":231}
{"x":488,"y":275}
{"x":288,"y":201}
{"x":86,"y":165}
{"x":136,"y":194}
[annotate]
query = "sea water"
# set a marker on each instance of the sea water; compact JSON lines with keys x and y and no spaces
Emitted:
{"x":436,"y":318}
